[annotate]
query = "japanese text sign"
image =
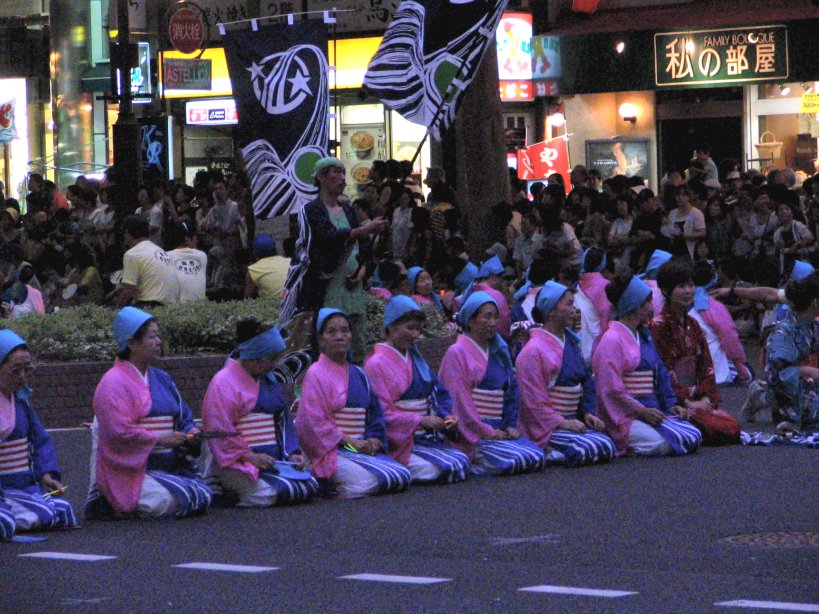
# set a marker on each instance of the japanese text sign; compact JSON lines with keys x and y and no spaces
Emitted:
{"x":540,"y":160}
{"x":727,"y":55}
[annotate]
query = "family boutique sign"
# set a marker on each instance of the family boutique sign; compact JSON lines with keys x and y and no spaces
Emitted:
{"x":727,"y":55}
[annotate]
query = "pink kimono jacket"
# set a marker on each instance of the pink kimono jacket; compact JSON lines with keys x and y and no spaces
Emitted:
{"x":593,"y":286}
{"x":121,"y":399}
{"x":538,"y":364}
{"x":657,"y":298}
{"x":720,"y":320}
{"x":390,"y":374}
{"x":617,"y":354}
{"x":504,"y":311}
{"x":324,"y":392}
{"x":231,"y":394}
{"x":462,"y":369}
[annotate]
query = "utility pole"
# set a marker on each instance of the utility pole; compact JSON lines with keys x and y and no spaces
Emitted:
{"x":127,"y":159}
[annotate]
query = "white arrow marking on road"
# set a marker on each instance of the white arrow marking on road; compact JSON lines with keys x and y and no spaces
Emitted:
{"x":375,"y":577}
{"x":771,"y":605}
{"x":574,"y":590}
{"x":223,"y":567}
{"x":67,"y":556}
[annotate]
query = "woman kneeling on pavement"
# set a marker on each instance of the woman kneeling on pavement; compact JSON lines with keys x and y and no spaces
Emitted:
{"x":29,"y":473}
{"x":478,"y":372}
{"x":340,"y":422}
{"x":253,"y":455}
{"x":416,"y":406}
{"x":557,"y":396}
{"x":143,"y":434}
{"x":634,"y":392}
{"x":685,"y":354}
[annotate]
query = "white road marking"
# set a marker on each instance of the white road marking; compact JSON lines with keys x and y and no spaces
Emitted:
{"x":376,"y":577}
{"x":575,"y":590}
{"x":67,"y":556}
{"x":771,"y":605}
{"x":223,"y":567}
{"x":535,"y":539}
{"x":69,"y":429}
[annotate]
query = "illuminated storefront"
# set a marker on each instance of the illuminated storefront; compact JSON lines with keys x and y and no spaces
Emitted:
{"x":14,"y":133}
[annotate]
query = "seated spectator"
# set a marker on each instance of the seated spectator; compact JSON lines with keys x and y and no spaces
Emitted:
{"x":190,"y":263}
{"x":266,"y":277}
{"x":148,"y":274}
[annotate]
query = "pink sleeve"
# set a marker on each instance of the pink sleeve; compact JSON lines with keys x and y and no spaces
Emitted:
{"x":220,"y":412}
{"x":388,"y":388}
{"x":454,"y":375}
{"x":608,"y":364}
{"x":718,"y":318}
{"x":537,"y":419}
{"x":318,"y":434}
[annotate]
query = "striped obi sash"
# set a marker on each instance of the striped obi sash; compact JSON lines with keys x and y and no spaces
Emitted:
{"x":257,"y":429}
{"x":157,"y":424}
{"x":351,"y":420}
{"x":566,"y":399}
{"x":489,"y":403}
{"x":639,"y":383}
{"x":14,"y":456}
{"x":414,"y":406}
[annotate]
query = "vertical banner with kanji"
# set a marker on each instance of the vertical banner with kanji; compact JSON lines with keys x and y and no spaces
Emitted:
{"x":429,"y":56}
{"x":541,"y":160}
{"x":279,"y":79}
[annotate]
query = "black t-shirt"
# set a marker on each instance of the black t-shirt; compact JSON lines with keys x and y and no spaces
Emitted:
{"x":651,"y":222}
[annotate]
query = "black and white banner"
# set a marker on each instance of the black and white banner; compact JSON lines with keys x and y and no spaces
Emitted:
{"x":429,"y":56}
{"x":279,"y":79}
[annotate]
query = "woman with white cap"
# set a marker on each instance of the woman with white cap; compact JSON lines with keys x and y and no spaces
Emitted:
{"x":635,"y":398}
{"x":340,"y":422}
{"x":417,"y":408}
{"x":143,"y":431}
{"x":557,"y":394}
{"x":478,"y":372}
{"x":261,"y":462}
{"x":29,"y":472}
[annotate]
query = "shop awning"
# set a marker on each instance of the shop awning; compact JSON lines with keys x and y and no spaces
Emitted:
{"x":699,"y":13}
{"x":97,"y":79}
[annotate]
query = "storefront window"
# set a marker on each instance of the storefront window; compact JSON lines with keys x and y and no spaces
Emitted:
{"x":787,"y":135}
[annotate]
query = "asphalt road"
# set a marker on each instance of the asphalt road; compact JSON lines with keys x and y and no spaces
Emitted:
{"x":651,"y":528}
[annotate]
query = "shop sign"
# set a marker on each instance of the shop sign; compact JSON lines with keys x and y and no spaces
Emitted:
{"x":140,"y":75}
{"x":153,"y":146}
{"x":515,"y":91}
{"x":186,"y":29}
{"x":727,"y":55}
{"x":810,"y":103}
{"x":546,"y":87}
{"x":187,"y":74}
{"x":540,"y":160}
{"x":8,"y":128}
{"x":514,"y":42}
{"x":546,"y":57}
{"x":211,"y":112}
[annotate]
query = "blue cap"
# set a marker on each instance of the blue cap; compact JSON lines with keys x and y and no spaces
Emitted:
{"x":467,"y":275}
{"x":801,"y":270}
{"x":126,"y":324}
{"x":493,"y":266}
{"x":549,"y":296}
{"x":324,"y":313}
{"x":412,"y":276}
{"x":636,"y":294}
{"x":598,"y":269}
{"x":397,"y":307}
{"x":264,"y":344}
{"x":9,"y":341}
{"x":264,"y":245}
{"x":658,"y":259}
{"x":475,"y":301}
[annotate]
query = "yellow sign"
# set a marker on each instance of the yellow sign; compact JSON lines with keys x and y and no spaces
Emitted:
{"x":354,"y":55}
{"x":810,"y":103}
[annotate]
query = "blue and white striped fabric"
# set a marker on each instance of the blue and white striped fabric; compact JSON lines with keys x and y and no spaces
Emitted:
{"x":290,"y":491}
{"x":454,"y":464}
{"x":50,"y":512}
{"x":507,"y":457}
{"x":191,"y":492}
{"x":681,"y":435}
{"x":583,"y":448}
{"x":392,"y":476}
{"x":7,"y":524}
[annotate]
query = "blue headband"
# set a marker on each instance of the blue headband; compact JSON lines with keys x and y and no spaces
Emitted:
{"x":598,"y":269}
{"x":701,"y":298}
{"x":548,"y":297}
{"x":658,"y":259}
{"x":324,"y":313}
{"x":801,"y":270}
{"x":9,"y":341}
{"x":264,"y":245}
{"x":397,"y":307}
{"x":126,"y":324}
{"x":493,"y":266}
{"x":472,"y":304}
{"x":412,"y":276}
{"x":465,"y":277}
{"x":636,"y":294}
{"x":264,"y":344}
